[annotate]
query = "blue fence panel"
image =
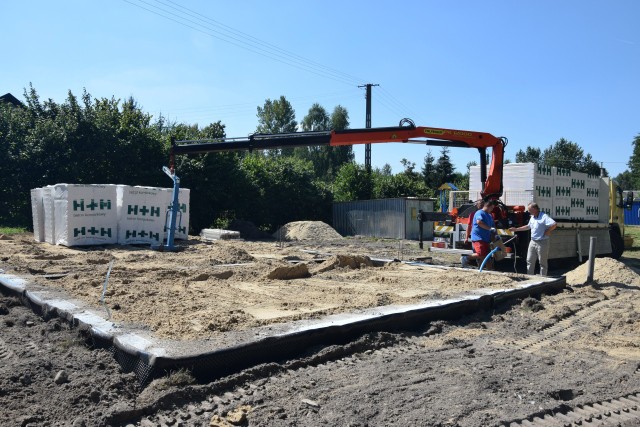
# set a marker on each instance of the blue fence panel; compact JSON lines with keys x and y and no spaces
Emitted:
{"x":632,"y":217}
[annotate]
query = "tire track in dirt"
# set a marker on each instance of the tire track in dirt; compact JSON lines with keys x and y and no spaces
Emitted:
{"x":257,"y":385}
{"x":612,"y":412}
{"x":5,"y":352}
{"x":564,"y":328}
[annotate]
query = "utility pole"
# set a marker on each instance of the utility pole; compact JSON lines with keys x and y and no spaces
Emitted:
{"x":367,"y":147}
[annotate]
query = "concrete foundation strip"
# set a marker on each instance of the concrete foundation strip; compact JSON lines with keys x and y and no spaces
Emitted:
{"x":138,"y":350}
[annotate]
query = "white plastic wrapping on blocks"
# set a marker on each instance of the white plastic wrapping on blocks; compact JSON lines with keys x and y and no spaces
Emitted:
{"x":182,"y":222}
{"x":49,"y":217}
{"x":515,"y":177}
{"x":37,"y":212}
{"x":141,"y":215}
{"x":85,"y":214}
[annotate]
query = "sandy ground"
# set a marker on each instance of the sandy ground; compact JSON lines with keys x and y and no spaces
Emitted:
{"x":214,"y":287}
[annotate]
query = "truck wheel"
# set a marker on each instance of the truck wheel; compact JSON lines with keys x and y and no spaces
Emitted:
{"x":617,"y":243}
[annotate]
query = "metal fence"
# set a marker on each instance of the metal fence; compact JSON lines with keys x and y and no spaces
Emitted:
{"x":387,"y":218}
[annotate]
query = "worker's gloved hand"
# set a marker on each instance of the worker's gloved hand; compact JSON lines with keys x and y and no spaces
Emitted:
{"x":493,"y":230}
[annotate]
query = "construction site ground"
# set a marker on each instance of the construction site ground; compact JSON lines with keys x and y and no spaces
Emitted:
{"x":522,"y":359}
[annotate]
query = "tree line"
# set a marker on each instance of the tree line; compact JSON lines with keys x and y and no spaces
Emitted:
{"x":88,"y":140}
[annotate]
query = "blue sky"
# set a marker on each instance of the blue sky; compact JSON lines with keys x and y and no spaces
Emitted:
{"x":534,"y":72}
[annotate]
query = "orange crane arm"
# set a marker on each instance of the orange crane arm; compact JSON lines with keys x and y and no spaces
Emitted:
{"x":437,"y":136}
{"x":405,"y":134}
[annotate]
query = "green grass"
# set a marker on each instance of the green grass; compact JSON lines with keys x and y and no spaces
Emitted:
{"x":633,"y":231}
{"x":11,"y":230}
{"x":631,"y":256}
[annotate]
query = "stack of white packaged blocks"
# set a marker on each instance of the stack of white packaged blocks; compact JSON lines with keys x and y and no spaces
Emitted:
{"x":37,"y":212}
{"x":561,"y":193}
{"x":141,"y":215}
{"x":75,"y":215}
{"x":182,"y":220}
{"x":84,"y":214}
{"x":522,"y":183}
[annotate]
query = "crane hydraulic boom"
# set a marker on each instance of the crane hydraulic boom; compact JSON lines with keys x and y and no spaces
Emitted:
{"x":403,"y":134}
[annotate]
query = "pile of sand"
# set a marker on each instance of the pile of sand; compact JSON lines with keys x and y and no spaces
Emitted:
{"x":307,"y":230}
{"x":606,"y":270}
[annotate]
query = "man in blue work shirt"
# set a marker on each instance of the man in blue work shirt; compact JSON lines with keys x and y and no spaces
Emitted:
{"x":481,"y":233}
{"x":541,"y":226}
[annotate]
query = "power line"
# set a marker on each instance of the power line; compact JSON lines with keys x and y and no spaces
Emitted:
{"x":386,"y":94}
{"x":213,"y":28}
{"x":256,"y":40}
{"x":292,"y":60}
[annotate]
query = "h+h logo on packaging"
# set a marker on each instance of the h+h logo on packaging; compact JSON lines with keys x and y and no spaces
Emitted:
{"x":151,"y":210}
{"x":143,"y":234}
{"x":79,"y":205}
{"x":544,"y":170}
{"x":577,"y":203}
{"x":543,"y":191}
{"x":178,"y":229}
{"x":563,"y":191}
{"x":93,"y":231}
{"x":577,"y":183}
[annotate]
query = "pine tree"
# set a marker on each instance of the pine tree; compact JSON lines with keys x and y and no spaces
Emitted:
{"x":429,"y":171}
{"x":444,"y":169}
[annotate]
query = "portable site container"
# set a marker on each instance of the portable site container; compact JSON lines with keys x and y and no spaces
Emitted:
{"x":632,"y":216}
{"x":385,"y":218}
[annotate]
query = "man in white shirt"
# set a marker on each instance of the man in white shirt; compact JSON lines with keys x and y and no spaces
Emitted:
{"x":541,"y":226}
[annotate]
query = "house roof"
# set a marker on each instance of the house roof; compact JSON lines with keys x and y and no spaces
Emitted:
{"x":10,"y":99}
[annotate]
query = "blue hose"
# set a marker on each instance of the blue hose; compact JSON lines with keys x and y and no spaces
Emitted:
{"x":488,"y":256}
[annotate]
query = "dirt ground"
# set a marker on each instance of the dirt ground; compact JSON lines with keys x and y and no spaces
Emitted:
{"x":48,"y":375}
{"x":233,"y":285}
{"x":533,"y":356}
